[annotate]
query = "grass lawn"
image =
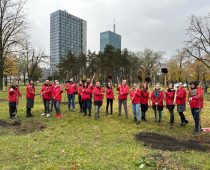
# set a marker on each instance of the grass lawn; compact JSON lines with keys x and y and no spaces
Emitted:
{"x":77,"y":142}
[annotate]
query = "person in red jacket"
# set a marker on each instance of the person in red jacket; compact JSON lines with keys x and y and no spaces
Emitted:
{"x":123,"y":90}
{"x":144,"y":101}
{"x":52,"y":100}
{"x":57,"y":96}
{"x":98,"y":99}
{"x":90,"y":85}
{"x":169,"y":99}
{"x":13,"y":97}
{"x":109,"y":98}
{"x":86,"y":99}
{"x":157,"y":98}
{"x":46,"y":93}
{"x":180,"y":98}
{"x":80,"y":95}
{"x":70,"y":89}
{"x":201,"y":91}
{"x":195,"y":97}
{"x":30,"y":95}
{"x":135,"y":96}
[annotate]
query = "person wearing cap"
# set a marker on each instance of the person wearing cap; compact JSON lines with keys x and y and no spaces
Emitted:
{"x":13,"y":97}
{"x":109,"y":98}
{"x":157,"y":98}
{"x":98,"y":99}
{"x":30,"y":95}
{"x":123,"y":90}
{"x":135,"y":96}
{"x":194,"y":98}
{"x":70,"y":90}
{"x":180,"y":99}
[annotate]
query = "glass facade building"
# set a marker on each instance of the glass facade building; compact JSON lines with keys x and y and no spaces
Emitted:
{"x":67,"y":32}
{"x":110,"y":38}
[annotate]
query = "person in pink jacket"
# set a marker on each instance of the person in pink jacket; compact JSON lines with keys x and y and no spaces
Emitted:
{"x":123,"y":90}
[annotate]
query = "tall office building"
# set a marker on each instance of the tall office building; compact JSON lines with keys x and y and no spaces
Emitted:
{"x":110,"y":38}
{"x":67,"y":32}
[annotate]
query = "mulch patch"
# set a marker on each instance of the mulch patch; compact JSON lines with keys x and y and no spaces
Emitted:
{"x":18,"y":127}
{"x":168,"y":143}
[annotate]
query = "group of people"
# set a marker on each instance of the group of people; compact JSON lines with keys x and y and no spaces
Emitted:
{"x":140,"y":96}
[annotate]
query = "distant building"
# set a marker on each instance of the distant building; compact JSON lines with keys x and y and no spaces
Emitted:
{"x":110,"y":38}
{"x":67,"y":32}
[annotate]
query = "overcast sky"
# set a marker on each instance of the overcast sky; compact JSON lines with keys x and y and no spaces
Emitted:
{"x":156,"y":24}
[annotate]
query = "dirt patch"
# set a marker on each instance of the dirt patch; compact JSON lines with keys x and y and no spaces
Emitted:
{"x":164,"y":142}
{"x":18,"y":127}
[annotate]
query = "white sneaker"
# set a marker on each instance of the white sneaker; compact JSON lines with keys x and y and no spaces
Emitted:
{"x":48,"y":115}
{"x":43,"y":114}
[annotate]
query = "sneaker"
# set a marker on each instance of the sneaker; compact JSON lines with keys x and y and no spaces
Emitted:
{"x":42,"y":114}
{"x":48,"y":115}
{"x":186,"y":122}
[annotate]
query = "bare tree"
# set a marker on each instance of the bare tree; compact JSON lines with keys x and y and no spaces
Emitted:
{"x":12,"y":25}
{"x":198,"y":45}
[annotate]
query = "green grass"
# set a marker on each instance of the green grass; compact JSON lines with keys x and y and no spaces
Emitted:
{"x":104,"y":144}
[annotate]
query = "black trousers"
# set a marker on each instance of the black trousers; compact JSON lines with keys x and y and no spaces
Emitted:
{"x":182,"y":117}
{"x":80,"y":102}
{"x":109,"y":102}
{"x":12,"y":109}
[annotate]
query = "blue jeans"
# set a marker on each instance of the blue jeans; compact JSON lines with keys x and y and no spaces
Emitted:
{"x":57,"y":106}
{"x":86,"y":105}
{"x":196,"y":117}
{"x":71,"y":98}
{"x":136,"y":111}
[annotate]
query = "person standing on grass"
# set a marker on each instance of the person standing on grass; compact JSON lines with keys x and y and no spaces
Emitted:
{"x":180,"y":97}
{"x":86,"y":99}
{"x":157,"y":98}
{"x":144,"y":101}
{"x":123,"y":90}
{"x":46,"y":93}
{"x":169,"y":98}
{"x":80,"y":95}
{"x":52,"y":100}
{"x":13,"y":97}
{"x":98,"y":99}
{"x":70,"y":89}
{"x":90,"y":85}
{"x":195,"y":102}
{"x":109,"y":98}
{"x":30,"y":95}
{"x":57,"y":96}
{"x":135,"y":96}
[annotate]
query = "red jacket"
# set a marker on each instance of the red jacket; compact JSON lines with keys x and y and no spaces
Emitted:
{"x":169,"y":98}
{"x":144,"y":97}
{"x":30,"y":91}
{"x":13,"y":96}
{"x":109,"y":93}
{"x":46,"y":92}
{"x":181,"y":96}
{"x":91,"y":88}
{"x":86,"y":93}
{"x":158,"y":99}
{"x":201,"y":100}
{"x":123,"y":92}
{"x":196,"y":101}
{"x":135,"y":96}
{"x":98,"y":93}
{"x":79,"y":90}
{"x":71,"y":88}
{"x":57,"y":93}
